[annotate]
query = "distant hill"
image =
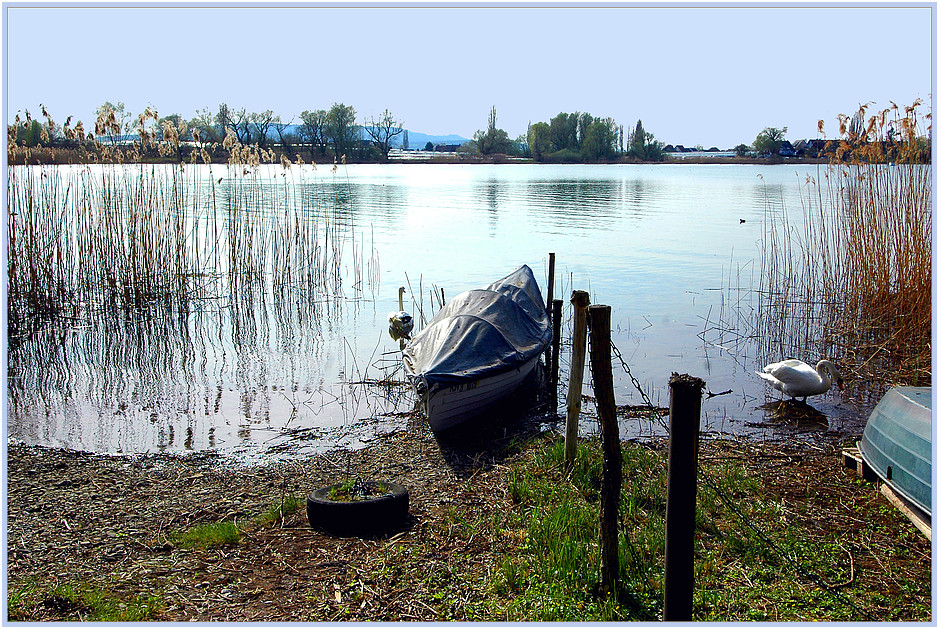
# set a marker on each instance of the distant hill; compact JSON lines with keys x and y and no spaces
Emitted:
{"x":417,"y":141}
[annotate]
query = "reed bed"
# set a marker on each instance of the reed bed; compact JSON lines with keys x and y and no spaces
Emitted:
{"x":128,"y":236}
{"x":853,"y":284}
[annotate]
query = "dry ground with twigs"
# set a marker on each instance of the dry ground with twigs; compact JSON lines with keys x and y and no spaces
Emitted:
{"x":107,"y":522}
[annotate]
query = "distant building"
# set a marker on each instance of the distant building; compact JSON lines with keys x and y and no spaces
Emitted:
{"x":809,"y":148}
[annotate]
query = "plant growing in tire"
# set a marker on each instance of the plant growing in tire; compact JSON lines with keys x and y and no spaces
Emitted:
{"x":357,"y":508}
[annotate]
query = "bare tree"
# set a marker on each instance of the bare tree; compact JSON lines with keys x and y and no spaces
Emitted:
{"x":113,"y":120}
{"x":236,"y":120}
{"x":313,"y":129}
{"x":286,"y":138}
{"x":261,"y":124}
{"x":383,"y":130}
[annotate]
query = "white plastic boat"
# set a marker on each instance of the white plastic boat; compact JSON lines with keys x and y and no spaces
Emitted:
{"x":478,"y":350}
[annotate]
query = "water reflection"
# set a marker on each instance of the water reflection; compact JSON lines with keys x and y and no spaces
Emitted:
{"x":490,"y":193}
{"x":271,"y":356}
{"x":219,"y":375}
{"x":793,"y":412}
{"x":383,"y":202}
{"x":577,"y":204}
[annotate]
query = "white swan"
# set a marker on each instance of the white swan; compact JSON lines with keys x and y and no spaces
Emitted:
{"x":400,"y":324}
{"x":797,"y":379}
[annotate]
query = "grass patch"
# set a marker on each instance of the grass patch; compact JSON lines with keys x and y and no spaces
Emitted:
{"x":772,"y":550}
{"x":767,"y":548}
{"x":217,"y":535}
{"x":784,"y":533}
{"x":554,"y":573}
{"x":79,"y":601}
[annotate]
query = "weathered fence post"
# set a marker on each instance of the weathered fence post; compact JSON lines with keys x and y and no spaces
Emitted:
{"x":580,"y":299}
{"x":549,"y":352}
{"x":612,"y":478}
{"x":684,"y":422}
{"x":550,"y":282}
{"x":555,"y":366}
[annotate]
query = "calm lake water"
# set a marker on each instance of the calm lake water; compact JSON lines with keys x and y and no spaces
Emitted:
{"x":673,"y":249}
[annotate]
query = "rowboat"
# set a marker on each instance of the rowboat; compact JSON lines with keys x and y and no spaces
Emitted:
{"x":897,"y":444}
{"x":478,"y":350}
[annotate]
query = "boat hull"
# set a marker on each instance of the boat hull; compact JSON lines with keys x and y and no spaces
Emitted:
{"x":897,"y":444}
{"x":450,"y":407}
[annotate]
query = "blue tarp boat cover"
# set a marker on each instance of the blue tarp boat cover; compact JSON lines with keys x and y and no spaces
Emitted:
{"x":482,"y":332}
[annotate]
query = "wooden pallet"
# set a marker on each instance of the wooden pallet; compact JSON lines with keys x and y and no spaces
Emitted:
{"x":855,"y":460}
{"x":922,"y":521}
{"x":919,"y":519}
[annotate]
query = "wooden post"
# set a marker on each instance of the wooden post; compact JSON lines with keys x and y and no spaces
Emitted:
{"x":550,"y":283}
{"x":549,"y":351}
{"x":580,"y":299}
{"x":612,"y":479}
{"x":554,"y":367}
{"x":684,"y":422}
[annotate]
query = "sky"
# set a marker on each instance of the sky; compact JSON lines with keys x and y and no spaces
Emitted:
{"x":707,"y":75}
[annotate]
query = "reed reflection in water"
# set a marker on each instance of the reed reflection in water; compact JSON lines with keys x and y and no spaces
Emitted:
{"x":253,"y":371}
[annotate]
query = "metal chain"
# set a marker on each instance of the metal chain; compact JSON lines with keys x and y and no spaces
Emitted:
{"x":623,"y":534}
{"x":645,"y":398}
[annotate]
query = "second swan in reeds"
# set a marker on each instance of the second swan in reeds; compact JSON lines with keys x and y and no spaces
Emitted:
{"x":798,"y":379}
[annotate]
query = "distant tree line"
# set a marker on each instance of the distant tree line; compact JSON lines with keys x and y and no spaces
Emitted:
{"x":336,"y":134}
{"x":886,"y":136}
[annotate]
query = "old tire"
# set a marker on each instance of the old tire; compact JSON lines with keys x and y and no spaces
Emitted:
{"x":371,"y":516}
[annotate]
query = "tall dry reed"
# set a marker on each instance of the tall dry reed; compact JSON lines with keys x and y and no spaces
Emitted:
{"x":854,"y":284}
{"x":127,"y":236}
